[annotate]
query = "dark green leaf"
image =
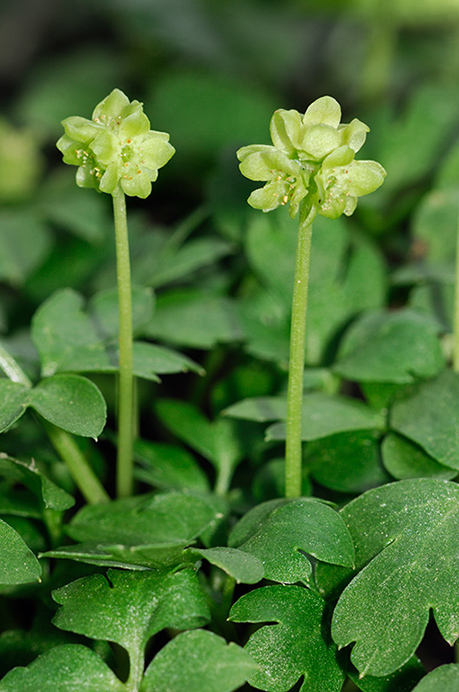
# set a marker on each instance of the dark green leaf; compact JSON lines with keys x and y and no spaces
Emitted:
{"x":130,"y":607}
{"x":294,"y":646}
{"x":29,"y":475}
{"x":280,"y":532}
{"x":407,"y":548}
{"x":103,"y":310}
{"x":67,"y":668}
{"x":243,"y":567}
{"x":14,"y":399}
{"x":167,"y":466}
{"x":195,"y":318}
{"x":404,"y":459}
{"x":71,"y":402}
{"x":151,"y":360}
{"x":18,"y":565}
{"x":18,"y":256}
{"x":390,"y":347}
{"x":347,"y":462}
{"x":193,"y":255}
{"x":428,"y":415}
{"x":207,"y":663}
{"x":402,"y":680}
{"x":444,"y":678}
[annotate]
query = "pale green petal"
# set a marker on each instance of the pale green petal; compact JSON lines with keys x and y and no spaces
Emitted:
{"x":134,"y":125}
{"x":109,"y":181}
{"x":138,"y":185}
{"x":85,"y":178}
{"x":269,"y":197}
{"x":244,"y":152}
{"x":111,"y":107}
{"x":351,"y":204}
{"x":80,"y":129}
{"x":267,"y":164}
{"x":106,"y":148}
{"x":354,"y":134}
{"x":69,"y":148}
{"x":365,"y":177}
{"x":286,"y":130}
{"x":320,"y":140}
{"x":155,"y":150}
{"x":324,"y":111}
{"x":342,"y":156}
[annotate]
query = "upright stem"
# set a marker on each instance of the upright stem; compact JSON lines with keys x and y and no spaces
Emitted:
{"x":456,"y":310}
{"x":83,"y":475}
{"x":126,"y":380}
{"x":293,"y":455}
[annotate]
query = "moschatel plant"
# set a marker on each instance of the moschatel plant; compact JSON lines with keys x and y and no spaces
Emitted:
{"x":322,"y":577}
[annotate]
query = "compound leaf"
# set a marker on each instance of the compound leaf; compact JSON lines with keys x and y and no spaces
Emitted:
{"x":292,"y":647}
{"x":444,"y":678}
{"x":19,"y":565}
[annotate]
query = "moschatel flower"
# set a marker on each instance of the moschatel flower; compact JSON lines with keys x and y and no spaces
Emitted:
{"x":116,"y":147}
{"x":311,"y":161}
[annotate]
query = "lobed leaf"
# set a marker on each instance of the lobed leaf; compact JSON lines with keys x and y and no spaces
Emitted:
{"x":207,"y":663}
{"x":19,"y":565}
{"x":294,"y":646}
{"x":49,"y":494}
{"x":407,"y":551}
{"x":444,"y":678}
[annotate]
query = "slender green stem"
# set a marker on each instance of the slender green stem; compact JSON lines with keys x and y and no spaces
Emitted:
{"x":456,"y":310}
{"x":293,"y":455}
{"x":81,"y":472}
{"x":126,"y":379}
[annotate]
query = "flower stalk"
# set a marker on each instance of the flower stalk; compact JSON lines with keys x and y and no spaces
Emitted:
{"x":311,"y":168}
{"x":456,"y":309}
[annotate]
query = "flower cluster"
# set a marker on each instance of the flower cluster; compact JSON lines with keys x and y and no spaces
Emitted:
{"x":311,"y":162}
{"x":115,"y":148}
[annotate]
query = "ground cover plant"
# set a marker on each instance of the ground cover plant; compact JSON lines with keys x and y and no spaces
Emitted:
{"x":229,"y":430}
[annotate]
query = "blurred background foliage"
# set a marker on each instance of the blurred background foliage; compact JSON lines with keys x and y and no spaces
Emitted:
{"x":211,"y":73}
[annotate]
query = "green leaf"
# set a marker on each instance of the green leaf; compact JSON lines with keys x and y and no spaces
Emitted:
{"x":404,"y":459}
{"x":103,"y":310}
{"x":207,"y":663}
{"x":13,"y":402}
{"x":151,"y":360}
{"x":294,"y":646}
{"x":444,"y":678}
{"x":390,"y":347}
{"x":18,"y":256}
{"x":280,"y":533}
{"x":347,"y":462}
{"x":19,"y":565}
{"x":195,"y":318}
{"x":167,"y":466}
{"x":243,"y":567}
{"x":130,"y":607}
{"x":71,"y":402}
{"x":49,"y":494}
{"x":217,"y":441}
{"x":402,"y":680}
{"x":325,"y":415}
{"x":66,"y":668}
{"x":148,"y":531}
{"x":428,"y":414}
{"x":406,"y":539}
{"x":65,"y":337}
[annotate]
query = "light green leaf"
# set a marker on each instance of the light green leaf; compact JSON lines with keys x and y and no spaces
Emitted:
{"x":281,"y":532}
{"x":71,"y":402}
{"x":103,"y":310}
{"x":390,"y":347}
{"x":130,"y":607}
{"x":444,"y":678}
{"x":151,"y":360}
{"x":292,"y":647}
{"x":207,"y":663}
{"x":407,"y":551}
{"x":66,"y":668}
{"x":428,"y":414}
{"x":19,"y":565}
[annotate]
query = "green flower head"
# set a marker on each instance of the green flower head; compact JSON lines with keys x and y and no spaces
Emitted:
{"x":312,"y":162}
{"x":115,"y":148}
